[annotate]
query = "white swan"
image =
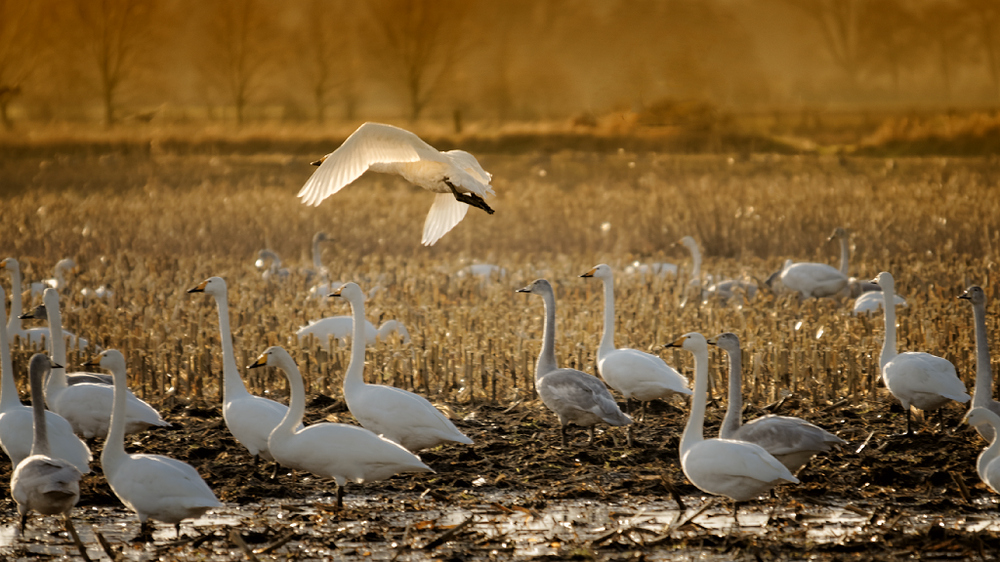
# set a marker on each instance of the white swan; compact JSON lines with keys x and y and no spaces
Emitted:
{"x":342,"y":328}
{"x":58,"y":280}
{"x":455,"y":176}
{"x":346,"y":453}
{"x":982,"y":395}
{"x":34,"y":337}
{"x":737,"y":470}
{"x":636,"y":374}
{"x":43,"y":482}
{"x":250,"y":419}
{"x":318,"y":269}
{"x":102,"y":292}
{"x":396,"y":414}
{"x":153,"y":486}
{"x":855,"y":287}
{"x":914,"y":377}
{"x":41,"y":313}
{"x":16,"y":419}
{"x":793,"y":441}
{"x":573,"y":395}
{"x":269,"y":261}
{"x":985,"y":421}
{"x":812,"y":279}
{"x":86,"y":405}
{"x":654,"y":269}
{"x":484,"y":271}
{"x":871,"y":302}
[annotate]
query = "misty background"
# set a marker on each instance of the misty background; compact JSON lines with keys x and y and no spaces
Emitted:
{"x":587,"y":62}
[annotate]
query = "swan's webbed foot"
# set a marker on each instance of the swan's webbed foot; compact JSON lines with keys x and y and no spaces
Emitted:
{"x":470,"y":199}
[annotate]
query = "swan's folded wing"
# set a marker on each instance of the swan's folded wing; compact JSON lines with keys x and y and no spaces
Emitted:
{"x":445,"y":213}
{"x":372,"y":143}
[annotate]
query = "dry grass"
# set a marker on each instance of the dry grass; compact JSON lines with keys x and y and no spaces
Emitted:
{"x":152,"y":227}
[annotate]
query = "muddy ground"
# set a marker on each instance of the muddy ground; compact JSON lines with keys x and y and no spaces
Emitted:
{"x":517,"y":493}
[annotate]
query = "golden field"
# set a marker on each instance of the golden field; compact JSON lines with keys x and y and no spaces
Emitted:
{"x":150,"y":226}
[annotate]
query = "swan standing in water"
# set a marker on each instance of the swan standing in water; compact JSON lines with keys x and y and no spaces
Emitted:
{"x":86,"y":405}
{"x":153,"y":486}
{"x":346,"y":453}
{"x":455,"y":176}
{"x":987,"y":422}
{"x":32,"y":336}
{"x":812,"y":279}
{"x":573,"y":395}
{"x":636,"y":374}
{"x":737,"y":470}
{"x":982,"y":395}
{"x":396,"y":414}
{"x":793,"y":441}
{"x":43,"y":482}
{"x":58,"y":281}
{"x":17,"y":420}
{"x":250,"y":418}
{"x":914,"y":377}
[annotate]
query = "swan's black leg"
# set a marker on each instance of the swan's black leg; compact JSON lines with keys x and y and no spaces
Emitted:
{"x":340,"y":496}
{"x":562,"y":430}
{"x":470,"y":199}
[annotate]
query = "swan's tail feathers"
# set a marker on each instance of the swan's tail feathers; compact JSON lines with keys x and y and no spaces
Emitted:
{"x":445,"y":213}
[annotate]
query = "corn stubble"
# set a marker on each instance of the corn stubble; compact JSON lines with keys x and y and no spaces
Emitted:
{"x":152,"y":228}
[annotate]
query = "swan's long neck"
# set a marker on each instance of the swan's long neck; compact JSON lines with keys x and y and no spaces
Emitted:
{"x":14,"y":322}
{"x":696,"y":266}
{"x":547,"y":357}
{"x":389,"y":327}
{"x":983,"y":392}
{"x":734,"y":410}
{"x":608,"y":337}
{"x":57,"y":347}
{"x":845,"y":255}
{"x":694,"y":431}
{"x":993,"y":450}
{"x":296,"y":399}
{"x":232,"y":383}
{"x":114,"y":447}
{"x":40,"y":443}
{"x":8,"y":388}
{"x":356,"y":368}
{"x":889,"y":345}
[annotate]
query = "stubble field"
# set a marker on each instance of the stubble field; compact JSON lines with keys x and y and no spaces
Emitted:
{"x":152,"y":224}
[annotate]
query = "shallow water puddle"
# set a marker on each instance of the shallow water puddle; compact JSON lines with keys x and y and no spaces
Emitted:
{"x":408,"y":526}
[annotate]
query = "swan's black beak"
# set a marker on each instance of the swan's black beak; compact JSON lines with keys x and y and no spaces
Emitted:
{"x":260,"y":362}
{"x":524,"y":289}
{"x":679,"y":342}
{"x":93,"y":362}
{"x":589,"y":273}
{"x":200,"y":288}
{"x":318,"y":162}
{"x":712,"y":341}
{"x":336,"y":293}
{"x":965,"y":296}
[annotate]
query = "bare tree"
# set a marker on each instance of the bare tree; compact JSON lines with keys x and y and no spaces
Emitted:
{"x":890,"y":35}
{"x":421,"y":39}
{"x":947,"y":27}
{"x":329,"y":54}
{"x":113,"y":35}
{"x":838,"y":21}
{"x":239,"y":29}
{"x":20,"y":50}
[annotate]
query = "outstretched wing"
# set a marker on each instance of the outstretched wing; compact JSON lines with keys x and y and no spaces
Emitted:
{"x":445,"y":213}
{"x":372,"y":143}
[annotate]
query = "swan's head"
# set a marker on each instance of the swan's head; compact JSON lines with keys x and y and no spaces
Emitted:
{"x":975,"y":295}
{"x":51,"y":299}
{"x":838,"y":233}
{"x":600,"y":271}
{"x":691,"y":341}
{"x":10,"y":264}
{"x":727,"y":341}
{"x":539,"y":286}
{"x":263,"y":256}
{"x":215,"y":286}
{"x":41,"y":364}
{"x":110,"y":359}
{"x":37,"y":313}
{"x":885,"y":280}
{"x":274,"y":356}
{"x":321,"y":237}
{"x":689,"y":243}
{"x":349,"y":291}
{"x":66,"y":264}
{"x":982,"y":416}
